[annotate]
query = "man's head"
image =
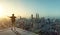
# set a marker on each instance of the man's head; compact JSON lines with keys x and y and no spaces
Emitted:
{"x":12,"y":14}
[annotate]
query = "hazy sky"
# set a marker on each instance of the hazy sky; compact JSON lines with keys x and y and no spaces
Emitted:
{"x":25,"y":8}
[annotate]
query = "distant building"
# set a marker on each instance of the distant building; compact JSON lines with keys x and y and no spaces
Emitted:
{"x":57,"y":22}
{"x":20,"y":17}
{"x":21,"y":22}
{"x":31,"y":16}
{"x":37,"y":16}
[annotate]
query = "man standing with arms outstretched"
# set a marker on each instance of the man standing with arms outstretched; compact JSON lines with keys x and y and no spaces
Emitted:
{"x":13,"y":22}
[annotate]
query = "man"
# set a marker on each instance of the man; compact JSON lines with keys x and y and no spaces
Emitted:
{"x":13,"y":22}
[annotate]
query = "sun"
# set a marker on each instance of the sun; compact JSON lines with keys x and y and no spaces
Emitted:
{"x":1,"y":11}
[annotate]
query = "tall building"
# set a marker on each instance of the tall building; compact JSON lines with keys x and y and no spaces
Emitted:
{"x":20,"y":17}
{"x":32,"y":21}
{"x":37,"y":16}
{"x":37,"y":20}
{"x":31,"y":16}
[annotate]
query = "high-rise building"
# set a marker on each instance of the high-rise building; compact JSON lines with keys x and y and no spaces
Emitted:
{"x":37,"y":20}
{"x":20,"y":17}
{"x":31,"y":16}
{"x":32,"y":20}
{"x":37,"y":16}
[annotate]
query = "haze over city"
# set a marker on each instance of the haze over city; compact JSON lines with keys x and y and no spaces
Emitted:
{"x":24,"y":8}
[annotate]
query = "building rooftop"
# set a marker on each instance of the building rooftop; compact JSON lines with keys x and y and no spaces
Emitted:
{"x":20,"y":31}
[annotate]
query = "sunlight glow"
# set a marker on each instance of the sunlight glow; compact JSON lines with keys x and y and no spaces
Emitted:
{"x":1,"y":11}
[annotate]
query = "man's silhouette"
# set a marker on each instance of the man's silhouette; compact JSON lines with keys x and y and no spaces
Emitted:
{"x":13,"y":21}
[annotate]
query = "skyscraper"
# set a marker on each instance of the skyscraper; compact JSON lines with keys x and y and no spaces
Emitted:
{"x":20,"y":17}
{"x":37,"y":16}
{"x":31,"y":16}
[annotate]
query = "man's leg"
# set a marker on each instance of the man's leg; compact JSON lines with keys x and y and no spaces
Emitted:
{"x":14,"y":27}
